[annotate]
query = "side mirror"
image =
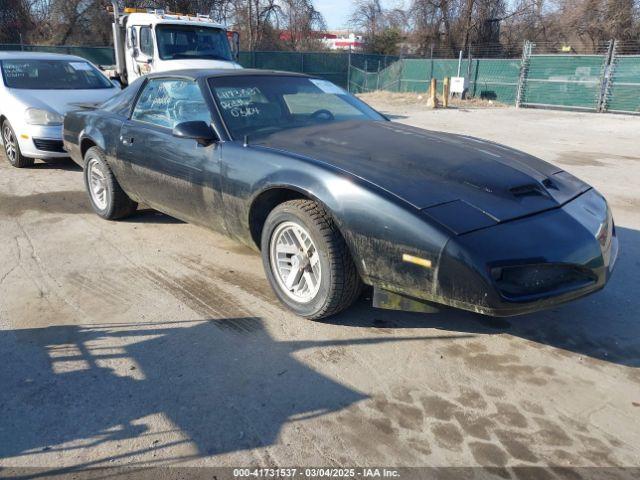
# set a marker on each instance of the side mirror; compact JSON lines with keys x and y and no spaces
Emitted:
{"x":116,"y":83}
{"x":234,"y":40}
{"x":199,"y":131}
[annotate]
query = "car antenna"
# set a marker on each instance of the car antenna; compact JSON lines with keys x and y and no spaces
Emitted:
{"x":246,"y":141}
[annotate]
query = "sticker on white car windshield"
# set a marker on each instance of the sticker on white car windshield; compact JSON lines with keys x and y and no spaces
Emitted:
{"x":80,"y":66}
{"x":327,"y":87}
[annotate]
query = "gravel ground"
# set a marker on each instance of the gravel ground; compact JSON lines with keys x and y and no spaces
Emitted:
{"x":154,"y":342}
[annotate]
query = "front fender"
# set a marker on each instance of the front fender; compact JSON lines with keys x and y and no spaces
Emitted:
{"x":379,"y":228}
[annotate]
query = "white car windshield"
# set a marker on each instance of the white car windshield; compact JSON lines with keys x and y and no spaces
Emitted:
{"x":29,"y":74}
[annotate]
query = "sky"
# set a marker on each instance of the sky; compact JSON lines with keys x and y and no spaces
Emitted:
{"x":337,"y":12}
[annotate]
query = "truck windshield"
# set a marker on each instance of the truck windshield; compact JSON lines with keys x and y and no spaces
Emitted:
{"x":184,"y":42}
{"x":31,"y":74}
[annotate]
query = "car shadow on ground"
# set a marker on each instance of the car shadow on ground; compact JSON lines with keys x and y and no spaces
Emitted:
{"x":219,"y":386}
{"x":149,"y":215}
{"x":56,"y":163}
{"x":604,"y":326}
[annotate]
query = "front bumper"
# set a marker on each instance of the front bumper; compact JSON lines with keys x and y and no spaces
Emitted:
{"x":578,"y":241}
{"x":42,"y":142}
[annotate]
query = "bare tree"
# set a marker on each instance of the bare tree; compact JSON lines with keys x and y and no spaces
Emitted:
{"x":368,"y":16}
{"x":444,"y":25}
{"x":15,"y":18}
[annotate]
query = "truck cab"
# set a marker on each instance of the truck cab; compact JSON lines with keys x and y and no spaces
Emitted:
{"x":147,"y":41}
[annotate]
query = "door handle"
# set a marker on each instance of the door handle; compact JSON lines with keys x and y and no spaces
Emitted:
{"x":127,"y":141}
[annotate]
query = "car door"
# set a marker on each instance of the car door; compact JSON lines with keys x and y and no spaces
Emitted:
{"x":174,"y":175}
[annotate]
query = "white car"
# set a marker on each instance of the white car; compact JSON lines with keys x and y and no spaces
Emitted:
{"x":36,"y":91}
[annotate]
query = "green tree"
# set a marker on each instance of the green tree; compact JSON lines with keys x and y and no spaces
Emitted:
{"x":386,"y":42}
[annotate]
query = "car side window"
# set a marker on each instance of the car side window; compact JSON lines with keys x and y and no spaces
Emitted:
{"x":168,"y":102}
{"x":146,"y":41}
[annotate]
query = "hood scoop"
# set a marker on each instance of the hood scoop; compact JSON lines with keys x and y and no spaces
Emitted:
{"x":534,"y":189}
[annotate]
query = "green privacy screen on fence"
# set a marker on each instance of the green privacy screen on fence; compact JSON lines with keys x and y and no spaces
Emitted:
{"x":624,"y":94}
{"x":332,"y":66}
{"x":560,"y":80}
{"x":493,"y":79}
{"x":97,"y":55}
{"x":408,"y":75}
{"x":573,"y":81}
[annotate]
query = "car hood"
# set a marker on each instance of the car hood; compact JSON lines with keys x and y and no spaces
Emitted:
{"x":430,"y":169}
{"x":63,"y":101}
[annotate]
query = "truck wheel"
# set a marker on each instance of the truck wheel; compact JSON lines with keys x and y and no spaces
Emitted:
{"x":107,"y":197}
{"x":12,"y":148}
{"x":307,"y":261}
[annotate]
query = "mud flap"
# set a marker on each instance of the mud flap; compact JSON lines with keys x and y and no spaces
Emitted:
{"x":394,"y":301}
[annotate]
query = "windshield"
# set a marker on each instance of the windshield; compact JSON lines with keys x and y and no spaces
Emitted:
{"x":178,"y":42}
{"x":52,"y":75}
{"x":257,"y":105}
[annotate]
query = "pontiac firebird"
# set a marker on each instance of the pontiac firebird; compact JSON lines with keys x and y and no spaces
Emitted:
{"x":336,"y":196}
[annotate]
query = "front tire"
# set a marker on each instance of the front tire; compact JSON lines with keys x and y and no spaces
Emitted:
{"x":107,"y":197}
{"x":307,"y":261}
{"x":12,"y":148}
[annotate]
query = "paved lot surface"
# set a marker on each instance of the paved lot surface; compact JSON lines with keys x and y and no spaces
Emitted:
{"x":150,"y":341}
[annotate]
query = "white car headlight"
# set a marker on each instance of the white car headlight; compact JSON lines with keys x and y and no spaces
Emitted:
{"x":37,"y":116}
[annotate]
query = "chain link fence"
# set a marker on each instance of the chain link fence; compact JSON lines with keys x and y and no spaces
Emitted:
{"x":603,"y":78}
{"x":97,"y":55}
{"x":491,"y":79}
{"x":329,"y":65}
{"x":563,"y":80}
{"x":622,"y":89}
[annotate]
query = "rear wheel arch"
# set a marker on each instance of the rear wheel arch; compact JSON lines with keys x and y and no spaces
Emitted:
{"x":85,"y":144}
{"x":106,"y":196}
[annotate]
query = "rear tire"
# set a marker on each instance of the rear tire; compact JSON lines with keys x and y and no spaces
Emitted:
{"x":107,"y":197}
{"x":12,"y":148}
{"x":307,"y":261}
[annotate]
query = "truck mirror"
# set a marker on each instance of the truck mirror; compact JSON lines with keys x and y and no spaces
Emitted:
{"x":234,"y":41}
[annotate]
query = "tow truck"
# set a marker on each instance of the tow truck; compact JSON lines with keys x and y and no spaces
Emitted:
{"x":152,"y":40}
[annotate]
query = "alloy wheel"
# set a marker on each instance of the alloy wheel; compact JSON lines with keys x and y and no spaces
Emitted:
{"x":10,"y":144}
{"x":98,"y":187}
{"x":295,"y":262}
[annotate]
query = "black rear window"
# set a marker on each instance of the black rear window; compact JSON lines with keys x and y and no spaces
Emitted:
{"x":122,"y":102}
